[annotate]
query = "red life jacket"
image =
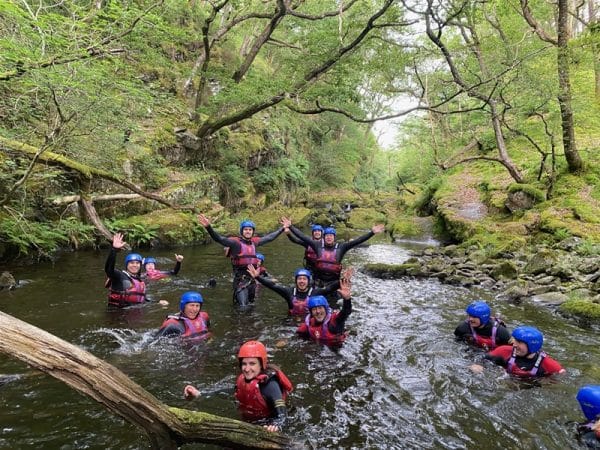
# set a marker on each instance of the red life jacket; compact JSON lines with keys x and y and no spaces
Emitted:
{"x":193,"y":328}
{"x":515,"y":370}
{"x":247,"y":253}
{"x":310,"y":256}
{"x":156,"y":274}
{"x":300,"y":304}
{"x":327,"y":261}
{"x":485,"y":342}
{"x":321,"y":333}
{"x":135,"y":294}
{"x":253,"y":405}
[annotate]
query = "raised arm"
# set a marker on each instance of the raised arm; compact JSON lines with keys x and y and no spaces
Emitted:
{"x":206,"y":223}
{"x":343,"y":248}
{"x":117,"y":244}
{"x":278,"y":289}
{"x":340,"y":320}
{"x":269,"y":237}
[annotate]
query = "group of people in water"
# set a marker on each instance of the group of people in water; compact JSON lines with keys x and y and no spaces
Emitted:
{"x":521,"y":355}
{"x":261,"y":388}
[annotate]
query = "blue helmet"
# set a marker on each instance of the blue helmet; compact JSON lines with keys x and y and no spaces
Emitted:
{"x":316,"y":227}
{"x":317,"y":300}
{"x":190,"y":297}
{"x":247,"y":224}
{"x":260,"y":256}
{"x":481,"y":310}
{"x":133,"y":257}
{"x":329,"y":230}
{"x":149,"y":260}
{"x":303,"y":272}
{"x":531,"y":336}
{"x":589,"y":400}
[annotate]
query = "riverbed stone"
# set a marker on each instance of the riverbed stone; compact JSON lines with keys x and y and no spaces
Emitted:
{"x":540,"y":262}
{"x":516,"y":290}
{"x":506,"y":269}
{"x":550,"y":298}
{"x":7,"y":281}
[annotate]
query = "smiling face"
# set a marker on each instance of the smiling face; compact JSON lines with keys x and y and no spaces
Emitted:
{"x":329,"y":239}
{"x":475,"y":322}
{"x":250,"y":368}
{"x":247,"y":232}
{"x":191,"y":310}
{"x":317,"y":234}
{"x":520,"y":347}
{"x":302,"y":283}
{"x":134,"y":267}
{"x":318,"y":313}
{"x":150,"y":267}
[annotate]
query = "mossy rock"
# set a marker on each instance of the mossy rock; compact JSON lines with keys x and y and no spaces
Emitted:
{"x":583,"y":308}
{"x":532,"y":191}
{"x":406,"y":227}
{"x":171,"y":227}
{"x":390,"y":271}
{"x":364,"y":218}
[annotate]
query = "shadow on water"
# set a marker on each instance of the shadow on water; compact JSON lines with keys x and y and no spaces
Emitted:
{"x":399,"y":382}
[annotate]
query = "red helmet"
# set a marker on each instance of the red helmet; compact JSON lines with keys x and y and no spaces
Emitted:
{"x":254,"y":349}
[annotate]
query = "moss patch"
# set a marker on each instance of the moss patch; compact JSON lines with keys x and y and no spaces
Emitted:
{"x":584,"y":308}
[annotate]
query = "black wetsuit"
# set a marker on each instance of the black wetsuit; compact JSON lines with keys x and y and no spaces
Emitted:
{"x":288,"y":292}
{"x":119,"y":281}
{"x":342,"y":249}
{"x":463,"y":333}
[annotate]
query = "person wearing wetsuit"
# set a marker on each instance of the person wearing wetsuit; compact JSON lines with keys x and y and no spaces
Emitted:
{"x":190,"y":322}
{"x":296,"y":296}
{"x":261,"y":389}
{"x":152,"y":273}
{"x":588,"y":433}
{"x":242,"y":251}
{"x":328,"y":265}
{"x":322,"y":324}
{"x":480,"y":329}
{"x":524,"y":358}
{"x":126,"y":287}
{"x":310,"y":257}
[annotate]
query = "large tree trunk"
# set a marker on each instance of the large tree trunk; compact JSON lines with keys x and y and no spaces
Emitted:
{"x":564,"y":93}
{"x":167,"y":428}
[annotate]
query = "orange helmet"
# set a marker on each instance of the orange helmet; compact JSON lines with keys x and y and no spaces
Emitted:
{"x":254,"y":349}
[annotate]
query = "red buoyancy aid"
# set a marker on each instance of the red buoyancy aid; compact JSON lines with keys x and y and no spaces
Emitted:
{"x":310,"y":256}
{"x":247,"y":253}
{"x":136,"y":293}
{"x":327,"y":262}
{"x":156,"y":274}
{"x":193,"y":327}
{"x":253,"y":405}
{"x":485,"y":342}
{"x":321,"y":333}
{"x":300,"y":304}
{"x":515,"y":370}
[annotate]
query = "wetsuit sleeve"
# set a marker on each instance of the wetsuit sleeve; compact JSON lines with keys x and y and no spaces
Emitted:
{"x":500,"y":355}
{"x":327,"y":289}
{"x":308,"y":241}
{"x":340,"y":320}
{"x":109,"y":267}
{"x":269,"y":237}
{"x":171,"y":328}
{"x":292,"y":237}
{"x":280,"y":290}
{"x":502,"y":336}
{"x":274,"y":398}
{"x":462,"y":331}
{"x":550,"y":366}
{"x":175,"y":269}
{"x":343,"y":248}
{"x":231,"y":243}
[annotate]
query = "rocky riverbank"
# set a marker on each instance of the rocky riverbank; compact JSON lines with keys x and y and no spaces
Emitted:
{"x":561,"y":276}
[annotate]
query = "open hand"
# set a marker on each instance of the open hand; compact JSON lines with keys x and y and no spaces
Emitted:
{"x":118,"y":241}
{"x":178,"y":258}
{"x":204,"y":221}
{"x":190,"y":392}
{"x":378,"y":228}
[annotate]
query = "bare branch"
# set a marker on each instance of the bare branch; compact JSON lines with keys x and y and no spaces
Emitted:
{"x":341,"y":10}
{"x":528,"y":16}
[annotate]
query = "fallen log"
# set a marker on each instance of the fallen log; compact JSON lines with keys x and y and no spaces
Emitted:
{"x":166,"y":427}
{"x":95,"y":198}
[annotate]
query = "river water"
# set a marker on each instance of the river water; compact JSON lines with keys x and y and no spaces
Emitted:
{"x":399,"y":382}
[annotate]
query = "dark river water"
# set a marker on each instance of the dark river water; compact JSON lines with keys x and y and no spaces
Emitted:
{"x":399,"y":382}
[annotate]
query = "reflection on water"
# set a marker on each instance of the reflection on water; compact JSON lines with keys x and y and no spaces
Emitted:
{"x":399,"y":381}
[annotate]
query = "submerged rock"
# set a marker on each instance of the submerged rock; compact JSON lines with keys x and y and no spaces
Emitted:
{"x":7,"y":281}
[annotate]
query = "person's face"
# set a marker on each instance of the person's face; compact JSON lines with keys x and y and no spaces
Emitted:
{"x":191,"y":310}
{"x":302,"y":282}
{"x":520,"y":348}
{"x":150,"y":266}
{"x":134,"y":267}
{"x":250,"y":368}
{"x":319,"y":313}
{"x":317,"y":234}
{"x":329,"y":239}
{"x":247,"y":232}
{"x":475,"y":322}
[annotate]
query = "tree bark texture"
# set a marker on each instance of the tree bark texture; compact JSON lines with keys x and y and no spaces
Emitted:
{"x":166,"y":428}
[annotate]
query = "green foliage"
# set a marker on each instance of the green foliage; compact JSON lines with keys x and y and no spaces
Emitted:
{"x":136,"y":235}
{"x":40,"y":239}
{"x":538,"y":195}
{"x":581,"y":307}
